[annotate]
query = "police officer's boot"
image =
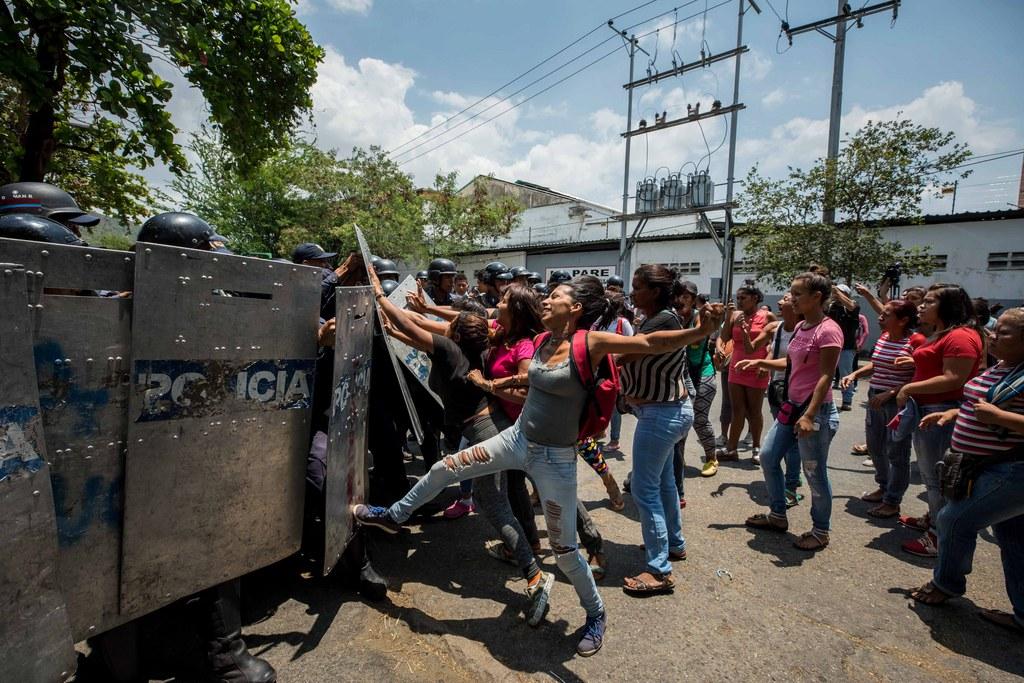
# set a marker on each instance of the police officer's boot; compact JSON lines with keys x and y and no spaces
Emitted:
{"x":227,"y":659}
{"x":356,"y":571}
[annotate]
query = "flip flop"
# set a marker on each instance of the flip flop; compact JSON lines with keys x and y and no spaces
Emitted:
{"x":1001,"y":619}
{"x":859,"y":449}
{"x":929,"y":594}
{"x":883,"y":515}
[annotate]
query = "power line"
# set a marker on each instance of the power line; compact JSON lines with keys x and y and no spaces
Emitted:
{"x":520,"y":76}
{"x":541,"y":92}
{"x":531,"y":83}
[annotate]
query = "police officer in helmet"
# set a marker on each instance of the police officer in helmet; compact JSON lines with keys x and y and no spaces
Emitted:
{"x":220,"y":606}
{"x":35,"y":228}
{"x":386,"y":269}
{"x":534,"y":278}
{"x":614,"y":283}
{"x":422,"y":278}
{"x":520,"y":275}
{"x":441,"y":272}
{"x":491,"y":281}
{"x":49,"y":201}
{"x":558,"y":277}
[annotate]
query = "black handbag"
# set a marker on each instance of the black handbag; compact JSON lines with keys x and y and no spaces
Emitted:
{"x":777,"y":387}
{"x":958,"y":471}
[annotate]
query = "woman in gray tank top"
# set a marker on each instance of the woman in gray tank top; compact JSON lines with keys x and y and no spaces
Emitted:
{"x":542,"y":440}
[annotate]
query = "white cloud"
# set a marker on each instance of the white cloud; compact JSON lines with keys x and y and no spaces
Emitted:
{"x":352,"y":6}
{"x":774,"y":98}
{"x":800,"y":140}
{"x":755,"y":66}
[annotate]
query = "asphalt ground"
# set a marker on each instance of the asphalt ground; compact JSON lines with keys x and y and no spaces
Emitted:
{"x":747,"y":606}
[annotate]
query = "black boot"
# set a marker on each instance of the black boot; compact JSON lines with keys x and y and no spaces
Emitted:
{"x":372,"y":585}
{"x":355,"y":571}
{"x":227,"y":659}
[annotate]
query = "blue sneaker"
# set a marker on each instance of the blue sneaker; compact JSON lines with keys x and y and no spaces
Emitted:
{"x":593,"y":635}
{"x":371,"y":515}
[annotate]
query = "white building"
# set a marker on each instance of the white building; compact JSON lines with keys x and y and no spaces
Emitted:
{"x":984,"y":252}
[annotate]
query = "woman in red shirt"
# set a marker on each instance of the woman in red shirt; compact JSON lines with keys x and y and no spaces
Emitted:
{"x":749,"y":330}
{"x":942,"y":366}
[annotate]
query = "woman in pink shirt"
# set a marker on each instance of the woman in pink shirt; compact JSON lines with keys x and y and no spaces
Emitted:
{"x":810,"y":362}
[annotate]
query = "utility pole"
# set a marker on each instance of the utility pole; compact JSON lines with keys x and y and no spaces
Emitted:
{"x":844,"y":15}
{"x":632,"y":44}
{"x":728,"y":241}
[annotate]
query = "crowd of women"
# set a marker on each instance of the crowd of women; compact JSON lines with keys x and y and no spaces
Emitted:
{"x":943,"y":380}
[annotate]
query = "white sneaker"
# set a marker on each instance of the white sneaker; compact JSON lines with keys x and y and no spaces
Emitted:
{"x":756,"y":456}
{"x":539,"y":595}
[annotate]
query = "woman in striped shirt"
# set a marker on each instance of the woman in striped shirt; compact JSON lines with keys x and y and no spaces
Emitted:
{"x":891,"y":458}
{"x":653,"y":387}
{"x":989,"y":426}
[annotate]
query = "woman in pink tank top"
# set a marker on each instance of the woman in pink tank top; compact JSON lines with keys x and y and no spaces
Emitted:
{"x":750,"y":330}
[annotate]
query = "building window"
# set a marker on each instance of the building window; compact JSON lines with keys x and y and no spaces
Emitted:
{"x":742,"y":266}
{"x":686,"y":268}
{"x":1006,"y":260}
{"x":939,"y":261}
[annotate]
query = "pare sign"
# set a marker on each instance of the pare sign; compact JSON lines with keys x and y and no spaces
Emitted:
{"x":603,"y":272}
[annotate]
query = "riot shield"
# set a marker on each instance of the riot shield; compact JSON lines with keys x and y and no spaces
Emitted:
{"x":410,"y":407}
{"x":81,"y":345}
{"x":345,"y":484}
{"x":35,"y":636}
{"x":223,"y":349}
{"x":417,"y":362}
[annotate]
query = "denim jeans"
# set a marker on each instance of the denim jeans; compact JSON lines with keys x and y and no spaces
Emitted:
{"x":997,"y":500}
{"x":891,"y":458}
{"x":552,"y":469}
{"x":813,"y":456}
{"x":659,"y":426}
{"x":792,"y":460}
{"x":846,"y":359}
{"x":930,"y":445}
{"x":615,"y":429}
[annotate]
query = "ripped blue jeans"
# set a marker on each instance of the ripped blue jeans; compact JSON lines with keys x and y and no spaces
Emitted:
{"x":553,"y":471}
{"x":813,"y":456}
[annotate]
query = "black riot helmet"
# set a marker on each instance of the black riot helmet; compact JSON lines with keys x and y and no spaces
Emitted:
{"x":541,"y":288}
{"x":491,"y":271}
{"x":534,"y":278}
{"x":388,"y":286}
{"x":178,"y":229}
{"x":439,"y":267}
{"x":35,"y":228}
{"x":615,"y":281}
{"x":386,"y":268}
{"x":519,"y":271}
{"x":422,"y":275}
{"x":559,"y":276}
{"x":45,"y":200}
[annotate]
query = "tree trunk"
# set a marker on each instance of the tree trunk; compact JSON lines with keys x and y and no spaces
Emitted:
{"x":38,"y":141}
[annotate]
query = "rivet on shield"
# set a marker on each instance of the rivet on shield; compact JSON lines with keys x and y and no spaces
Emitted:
{"x":35,"y":493}
{"x":44,"y":252}
{"x":88,"y":257}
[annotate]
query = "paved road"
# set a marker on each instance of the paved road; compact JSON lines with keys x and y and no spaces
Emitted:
{"x":841,"y":614}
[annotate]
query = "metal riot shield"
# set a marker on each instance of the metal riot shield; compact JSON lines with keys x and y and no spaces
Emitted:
{"x":223,"y":349}
{"x":345,"y":484}
{"x":81,"y":346}
{"x":35,"y":636}
{"x":410,"y":407}
{"x":417,"y":362}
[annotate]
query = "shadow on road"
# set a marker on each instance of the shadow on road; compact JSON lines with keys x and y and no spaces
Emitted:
{"x":956,"y":625}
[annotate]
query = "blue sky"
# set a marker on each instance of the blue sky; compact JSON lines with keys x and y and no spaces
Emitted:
{"x":395,"y":68}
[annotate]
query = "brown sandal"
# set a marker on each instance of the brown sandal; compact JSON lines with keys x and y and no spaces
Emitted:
{"x":859,"y":449}
{"x":884,"y":511}
{"x":615,"y":500}
{"x":873,"y":497}
{"x":598,"y":565}
{"x":929,"y":594}
{"x":655,"y":584}
{"x":811,"y":542}
{"x":763,"y":521}
{"x":676,"y":557}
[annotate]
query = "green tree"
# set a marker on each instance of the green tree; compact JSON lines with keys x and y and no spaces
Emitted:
{"x":305,"y":194}
{"x":252,"y":60}
{"x":881,"y":175}
{"x":457,"y":223}
{"x":86,"y":161}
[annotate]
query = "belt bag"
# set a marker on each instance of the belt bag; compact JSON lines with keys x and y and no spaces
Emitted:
{"x":790,"y":412}
{"x":958,"y":471}
{"x":776,"y":393}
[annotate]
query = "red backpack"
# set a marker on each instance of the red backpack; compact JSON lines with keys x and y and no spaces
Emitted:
{"x":602,"y":388}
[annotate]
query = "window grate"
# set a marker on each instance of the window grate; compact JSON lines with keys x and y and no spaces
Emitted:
{"x":1006,"y":260}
